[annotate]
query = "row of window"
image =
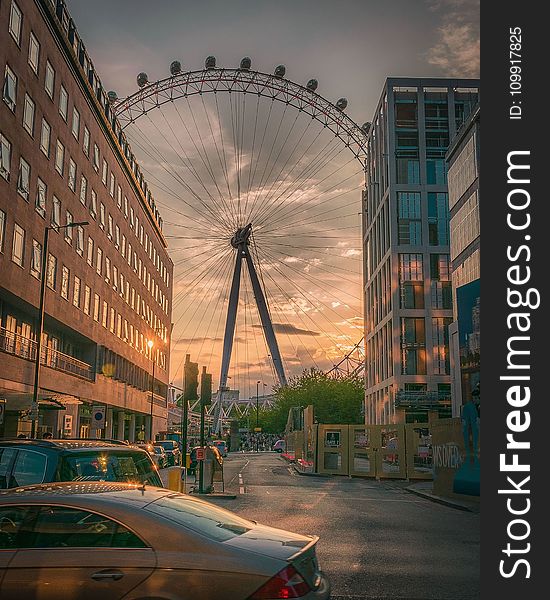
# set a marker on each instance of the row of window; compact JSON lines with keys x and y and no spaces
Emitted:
{"x":410,"y":218}
{"x":413,"y":345}
{"x":10,"y":98}
{"x":81,"y":294}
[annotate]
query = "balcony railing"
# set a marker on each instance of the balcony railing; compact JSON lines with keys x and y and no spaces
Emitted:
{"x":18,"y":345}
{"x":422,"y":398}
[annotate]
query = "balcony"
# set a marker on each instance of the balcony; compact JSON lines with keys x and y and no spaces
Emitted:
{"x":18,"y":345}
{"x":422,"y":399}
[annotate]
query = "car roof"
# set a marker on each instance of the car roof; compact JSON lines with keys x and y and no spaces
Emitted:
{"x":68,"y":444}
{"x":117,"y":491}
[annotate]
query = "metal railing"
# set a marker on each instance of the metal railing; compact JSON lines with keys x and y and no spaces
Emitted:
{"x":23,"y":347}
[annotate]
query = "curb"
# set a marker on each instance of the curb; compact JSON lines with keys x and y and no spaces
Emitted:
{"x":440,"y":500}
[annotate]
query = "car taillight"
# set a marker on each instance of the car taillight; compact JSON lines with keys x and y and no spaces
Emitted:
{"x":288,"y":583}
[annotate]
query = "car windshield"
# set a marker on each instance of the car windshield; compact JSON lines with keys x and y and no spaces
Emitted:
{"x":133,"y":467}
{"x":207,"y":519}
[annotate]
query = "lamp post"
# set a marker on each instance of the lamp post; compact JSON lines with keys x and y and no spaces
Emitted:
{"x":36,"y":387}
{"x":257,"y":413}
{"x":150,"y":345}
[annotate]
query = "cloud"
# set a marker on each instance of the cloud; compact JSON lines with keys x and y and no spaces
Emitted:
{"x":457,"y":49}
{"x":289,"y":329}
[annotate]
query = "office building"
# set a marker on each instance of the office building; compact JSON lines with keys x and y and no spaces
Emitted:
{"x":107,"y":301}
{"x":407,"y":270}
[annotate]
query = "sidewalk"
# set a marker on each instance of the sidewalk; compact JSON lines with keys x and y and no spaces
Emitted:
{"x":424,"y":489}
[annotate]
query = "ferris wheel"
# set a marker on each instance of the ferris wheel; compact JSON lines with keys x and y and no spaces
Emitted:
{"x":260,"y":182}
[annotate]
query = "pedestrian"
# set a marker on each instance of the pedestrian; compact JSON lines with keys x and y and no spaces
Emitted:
{"x":47,"y":436}
{"x":21,"y":436}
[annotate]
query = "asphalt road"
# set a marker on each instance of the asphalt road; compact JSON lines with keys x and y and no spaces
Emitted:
{"x":378,"y":541}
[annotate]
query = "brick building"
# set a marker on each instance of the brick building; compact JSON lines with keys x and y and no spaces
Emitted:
{"x":65,"y":160}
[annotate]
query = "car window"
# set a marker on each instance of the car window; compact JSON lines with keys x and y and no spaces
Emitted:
{"x":6,"y":458}
{"x":11,"y":519}
{"x":206,"y":519}
{"x":62,"y":527}
{"x":133,"y":467}
{"x":29,"y":467}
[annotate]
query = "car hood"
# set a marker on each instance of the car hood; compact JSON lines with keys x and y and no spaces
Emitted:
{"x":269,"y":541}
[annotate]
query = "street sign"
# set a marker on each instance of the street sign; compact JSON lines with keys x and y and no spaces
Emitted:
{"x":98,"y":417}
{"x":201,"y":452}
{"x":68,"y":425}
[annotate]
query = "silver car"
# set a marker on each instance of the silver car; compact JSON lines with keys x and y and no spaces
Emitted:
{"x":108,"y":540}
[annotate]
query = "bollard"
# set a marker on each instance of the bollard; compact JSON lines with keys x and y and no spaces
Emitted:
{"x":175,"y":478}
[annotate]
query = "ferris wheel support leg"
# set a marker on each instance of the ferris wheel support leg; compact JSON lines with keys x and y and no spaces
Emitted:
{"x":266,"y":320}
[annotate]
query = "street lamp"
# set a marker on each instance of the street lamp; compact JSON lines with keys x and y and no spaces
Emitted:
{"x":257,"y":413}
{"x":150,"y":345}
{"x":34,"y":405}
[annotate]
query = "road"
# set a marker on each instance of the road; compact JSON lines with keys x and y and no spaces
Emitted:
{"x":377,"y":541}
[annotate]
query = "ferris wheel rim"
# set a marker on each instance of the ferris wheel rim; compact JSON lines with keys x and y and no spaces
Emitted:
{"x":156,"y":94}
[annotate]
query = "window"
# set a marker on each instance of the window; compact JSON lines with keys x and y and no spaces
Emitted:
{"x":411,"y":281}
{"x":28,"y":115}
{"x":63,"y":103}
{"x":99,"y":261}
{"x":123,"y":247}
{"x":72,"y":175}
{"x":131,"y":217}
{"x":118,"y":325}
{"x":36,"y":259}
{"x":115,"y":278}
{"x":112,"y":320}
{"x":96,"y":307}
{"x":69,"y":230}
{"x":29,"y":467}
{"x":438,"y":219}
{"x":10,"y":88}
{"x":436,"y":173}
{"x":16,"y":20}
{"x":410,"y":223}
{"x":86,"y":141}
{"x":65,"y":282}
{"x":2,"y":229}
{"x":440,"y":274}
{"x":117,"y":237}
{"x":34,"y":52}
{"x":440,"y":341}
{"x":76,"y":123}
{"x":83,"y":189}
{"x":104,"y":315}
{"x":76,"y":291}
{"x":413,"y":346}
{"x":56,"y":211}
{"x":80,"y":240}
{"x":87,"y":297}
{"x":129,"y":254}
{"x":52,"y":271}
{"x":24,"y":179}
{"x":125,"y":206}
{"x":93,"y":204}
{"x":49,"y":82}
{"x":96,"y":157}
{"x":102,"y":215}
{"x":107,"y":269}
{"x":41,"y":191}
{"x":110,"y":228}
{"x":5,"y":157}
{"x":119,"y":196}
{"x":59,"y":157}
{"x":112,"y":185}
{"x":90,"y":253}
{"x":18,"y":249}
{"x":104,"y":172}
{"x":61,"y":527}
{"x":45,"y":134}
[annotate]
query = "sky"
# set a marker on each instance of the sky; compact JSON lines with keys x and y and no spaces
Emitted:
{"x":199,"y":155}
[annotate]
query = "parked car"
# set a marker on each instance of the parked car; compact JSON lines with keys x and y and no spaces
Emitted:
{"x":279,"y":446}
{"x":172,"y":449}
{"x":28,"y":461}
{"x":157,"y":454}
{"x":126,"y":540}
{"x":221,"y":446}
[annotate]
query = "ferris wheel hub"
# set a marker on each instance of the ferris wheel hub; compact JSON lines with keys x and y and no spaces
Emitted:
{"x":242,"y":236}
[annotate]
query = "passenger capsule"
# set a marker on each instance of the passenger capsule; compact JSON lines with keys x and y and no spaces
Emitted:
{"x":142,"y":79}
{"x":112,"y":97}
{"x":175,"y":67}
{"x":365,"y":127}
{"x":210,"y":62}
{"x":280,"y":71}
{"x":312,"y":84}
{"x":246,"y":63}
{"x":341,"y":104}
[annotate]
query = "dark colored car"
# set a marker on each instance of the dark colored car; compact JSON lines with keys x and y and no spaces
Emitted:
{"x":114,"y":540}
{"x":172,"y":449}
{"x":26,"y":462}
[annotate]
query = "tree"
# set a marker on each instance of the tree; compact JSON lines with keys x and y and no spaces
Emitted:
{"x":336,"y":399}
